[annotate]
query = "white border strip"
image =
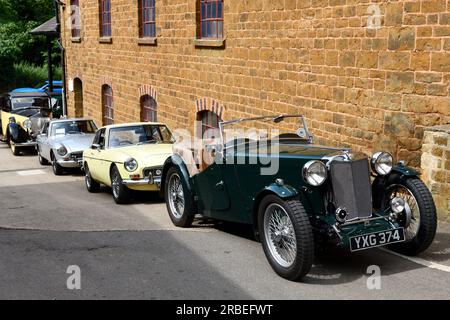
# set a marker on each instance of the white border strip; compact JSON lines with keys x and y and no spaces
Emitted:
{"x":423,"y":262}
{"x":30,"y":172}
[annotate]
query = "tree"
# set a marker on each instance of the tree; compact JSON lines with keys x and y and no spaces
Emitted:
{"x":17,"y":45}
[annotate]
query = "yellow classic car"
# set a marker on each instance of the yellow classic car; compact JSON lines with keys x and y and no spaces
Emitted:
{"x":127,"y":157}
{"x":22,"y":116}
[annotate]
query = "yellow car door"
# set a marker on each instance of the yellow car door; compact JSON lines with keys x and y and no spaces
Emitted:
{"x":94,"y":155}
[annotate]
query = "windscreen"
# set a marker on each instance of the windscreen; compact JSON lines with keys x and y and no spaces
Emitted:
{"x":30,"y":102}
{"x":73,"y":127}
{"x":283,"y":129}
{"x":138,"y":135}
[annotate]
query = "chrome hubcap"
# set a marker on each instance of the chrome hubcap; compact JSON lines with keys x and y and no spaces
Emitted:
{"x":116,"y":184}
{"x":176,"y":196}
{"x":411,"y":205}
{"x":280,"y":235}
{"x":88,"y":178}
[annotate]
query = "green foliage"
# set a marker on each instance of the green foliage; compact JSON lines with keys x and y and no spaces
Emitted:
{"x":28,"y":75}
{"x":17,"y":46}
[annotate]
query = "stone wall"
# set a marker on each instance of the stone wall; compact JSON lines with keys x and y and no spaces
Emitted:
{"x":436,"y":167}
{"x":368,"y":74}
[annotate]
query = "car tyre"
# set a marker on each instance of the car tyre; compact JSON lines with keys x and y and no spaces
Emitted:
{"x":422,"y":229}
{"x":91,"y":185}
{"x":121,"y":193}
{"x":57,"y":169}
{"x":42,"y":160}
{"x":175,"y":195}
{"x":286,"y":236}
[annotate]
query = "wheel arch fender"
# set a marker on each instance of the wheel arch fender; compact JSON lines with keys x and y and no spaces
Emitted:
{"x":175,"y":161}
{"x":13,"y":131}
{"x":380,"y":183}
{"x":282,"y":191}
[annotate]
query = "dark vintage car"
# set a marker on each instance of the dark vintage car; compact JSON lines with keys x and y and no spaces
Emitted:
{"x":313,"y":196}
{"x":23,"y":115}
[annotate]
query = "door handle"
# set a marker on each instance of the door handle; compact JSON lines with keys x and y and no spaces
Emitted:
{"x":219,"y":184}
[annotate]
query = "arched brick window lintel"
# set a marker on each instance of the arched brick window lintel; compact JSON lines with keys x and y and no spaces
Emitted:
{"x":148,"y":90}
{"x":209,"y":112}
{"x":210,"y":105}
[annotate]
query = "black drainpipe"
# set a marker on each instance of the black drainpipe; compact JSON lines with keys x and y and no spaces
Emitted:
{"x":57,"y":4}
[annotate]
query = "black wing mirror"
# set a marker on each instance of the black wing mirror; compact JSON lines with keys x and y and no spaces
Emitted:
{"x":96,"y":146}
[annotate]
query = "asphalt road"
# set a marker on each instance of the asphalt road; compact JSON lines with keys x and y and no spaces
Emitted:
{"x":49,"y":223}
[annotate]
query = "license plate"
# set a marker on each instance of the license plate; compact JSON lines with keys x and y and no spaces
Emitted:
{"x":377,"y":239}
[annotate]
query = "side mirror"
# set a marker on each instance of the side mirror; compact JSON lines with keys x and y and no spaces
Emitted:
{"x":96,"y":146}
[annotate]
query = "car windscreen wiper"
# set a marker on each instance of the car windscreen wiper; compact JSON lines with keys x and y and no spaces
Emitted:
{"x":147,"y":142}
{"x":30,"y":108}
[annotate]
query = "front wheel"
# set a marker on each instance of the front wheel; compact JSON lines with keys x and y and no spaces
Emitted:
{"x":420,"y":226}
{"x":286,"y":236}
{"x":121,"y":193}
{"x":57,"y":169}
{"x":175,"y":200}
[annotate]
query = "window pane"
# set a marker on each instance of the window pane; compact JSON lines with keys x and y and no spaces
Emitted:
{"x":213,"y":9}
{"x":209,"y":29}
{"x":219,"y":9}
{"x":220,"y":29}
{"x":204,"y":29}
{"x":209,"y":14}
{"x":203,"y":10}
{"x":214,"y":28}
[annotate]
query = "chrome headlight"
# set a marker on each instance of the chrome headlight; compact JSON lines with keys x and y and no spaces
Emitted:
{"x":27,"y":124}
{"x":382,"y":163}
{"x":62,"y":151}
{"x":130,"y":165}
{"x":315,"y":173}
{"x":398,"y":205}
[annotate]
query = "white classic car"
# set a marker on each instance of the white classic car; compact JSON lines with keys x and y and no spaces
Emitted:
{"x":62,"y":143}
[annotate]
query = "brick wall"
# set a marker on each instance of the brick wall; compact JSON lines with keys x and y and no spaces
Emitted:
{"x":368,"y":88}
{"x":436,"y":167}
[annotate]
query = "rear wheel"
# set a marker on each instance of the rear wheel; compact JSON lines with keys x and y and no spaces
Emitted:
{"x":421,"y":223}
{"x":121,"y":193}
{"x":286,"y":236}
{"x":176,"y":201}
{"x":91,"y":185}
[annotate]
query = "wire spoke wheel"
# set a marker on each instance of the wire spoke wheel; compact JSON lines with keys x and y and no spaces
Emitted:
{"x":280,"y":235}
{"x":88,"y":178}
{"x":411,"y":205}
{"x":116,"y":183}
{"x":176,"y":196}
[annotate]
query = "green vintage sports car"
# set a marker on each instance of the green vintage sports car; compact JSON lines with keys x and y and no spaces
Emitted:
{"x":297,"y":195}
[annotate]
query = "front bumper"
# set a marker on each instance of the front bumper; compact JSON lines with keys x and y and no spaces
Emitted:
{"x":379,"y":221}
{"x":69,"y":163}
{"x":142,"y":182}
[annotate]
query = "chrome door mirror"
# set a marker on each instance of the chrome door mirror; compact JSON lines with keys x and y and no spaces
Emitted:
{"x":96,"y":146}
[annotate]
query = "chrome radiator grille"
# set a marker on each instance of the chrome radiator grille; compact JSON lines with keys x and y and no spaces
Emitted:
{"x":352,"y":188}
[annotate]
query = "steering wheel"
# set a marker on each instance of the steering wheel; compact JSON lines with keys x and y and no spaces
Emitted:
{"x":125,"y":143}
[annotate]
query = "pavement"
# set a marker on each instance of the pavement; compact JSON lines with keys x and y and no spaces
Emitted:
{"x":49,"y":223}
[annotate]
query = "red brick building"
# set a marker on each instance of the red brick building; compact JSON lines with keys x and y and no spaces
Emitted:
{"x":367,"y":74}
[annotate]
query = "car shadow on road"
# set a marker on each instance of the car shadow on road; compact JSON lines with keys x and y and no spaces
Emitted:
{"x":335,"y":265}
{"x":439,"y":251}
{"x":25,"y":152}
